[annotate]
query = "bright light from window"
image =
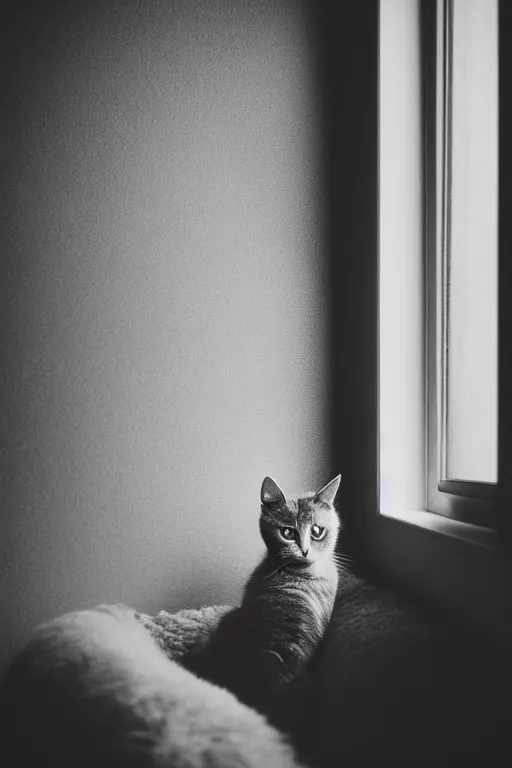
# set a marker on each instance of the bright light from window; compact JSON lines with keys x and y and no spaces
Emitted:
{"x":401,"y":287}
{"x":472,"y":255}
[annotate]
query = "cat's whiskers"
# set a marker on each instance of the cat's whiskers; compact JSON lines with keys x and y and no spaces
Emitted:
{"x":343,"y":563}
{"x":282,"y":565}
{"x":342,"y":556}
{"x":342,"y":560}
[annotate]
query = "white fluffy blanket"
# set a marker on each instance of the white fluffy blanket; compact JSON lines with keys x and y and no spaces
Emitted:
{"x":104,"y":688}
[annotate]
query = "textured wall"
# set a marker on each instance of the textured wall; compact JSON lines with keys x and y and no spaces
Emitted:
{"x":162,"y":298}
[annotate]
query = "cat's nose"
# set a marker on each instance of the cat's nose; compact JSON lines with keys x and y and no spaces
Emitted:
{"x":305,"y":552}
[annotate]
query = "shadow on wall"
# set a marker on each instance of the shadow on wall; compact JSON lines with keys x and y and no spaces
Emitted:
{"x":162,"y":298}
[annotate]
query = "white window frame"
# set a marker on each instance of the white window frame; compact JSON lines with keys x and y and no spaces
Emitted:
{"x":413,"y":71}
{"x":462,"y":500}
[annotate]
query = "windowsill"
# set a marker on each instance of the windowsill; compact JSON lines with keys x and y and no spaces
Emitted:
{"x":475,"y":534}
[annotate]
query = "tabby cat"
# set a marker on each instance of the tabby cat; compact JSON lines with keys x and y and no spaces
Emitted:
{"x":287,"y":602}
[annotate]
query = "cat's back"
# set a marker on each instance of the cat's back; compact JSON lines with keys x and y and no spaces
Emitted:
{"x":269,"y":639}
{"x":293,"y":597}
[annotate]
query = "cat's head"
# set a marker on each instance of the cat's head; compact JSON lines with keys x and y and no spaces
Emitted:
{"x":302,"y":529}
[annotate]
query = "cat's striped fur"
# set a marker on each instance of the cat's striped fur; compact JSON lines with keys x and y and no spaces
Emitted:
{"x":287,"y":602}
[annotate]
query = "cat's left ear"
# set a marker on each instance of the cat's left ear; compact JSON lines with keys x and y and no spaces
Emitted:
{"x":271,"y":492}
{"x":327,"y":494}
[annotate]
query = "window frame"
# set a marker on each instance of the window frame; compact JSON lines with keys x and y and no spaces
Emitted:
{"x":469,"y":502}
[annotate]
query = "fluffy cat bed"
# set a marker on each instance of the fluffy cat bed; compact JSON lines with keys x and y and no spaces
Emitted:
{"x":93,"y":688}
{"x":387,"y":681}
{"x":184,"y":634}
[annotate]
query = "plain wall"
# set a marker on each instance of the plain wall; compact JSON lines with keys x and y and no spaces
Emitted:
{"x":163,"y":298}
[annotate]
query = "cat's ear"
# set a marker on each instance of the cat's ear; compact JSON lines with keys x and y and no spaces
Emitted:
{"x":271,"y":492}
{"x":327,"y":494}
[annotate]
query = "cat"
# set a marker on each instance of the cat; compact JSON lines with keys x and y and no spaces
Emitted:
{"x":92,"y":688}
{"x":268,"y":640}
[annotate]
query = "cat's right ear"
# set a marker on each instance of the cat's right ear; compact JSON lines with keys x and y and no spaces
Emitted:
{"x":271,"y":492}
{"x":327,"y":494}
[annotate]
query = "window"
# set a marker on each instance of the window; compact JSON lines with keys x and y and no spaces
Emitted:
{"x":462,"y":261}
{"x":470,"y":247}
{"x":382,"y":162}
{"x":438,"y":261}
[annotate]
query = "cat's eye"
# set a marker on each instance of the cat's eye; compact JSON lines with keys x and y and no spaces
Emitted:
{"x":317,"y":532}
{"x":288,"y":534}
